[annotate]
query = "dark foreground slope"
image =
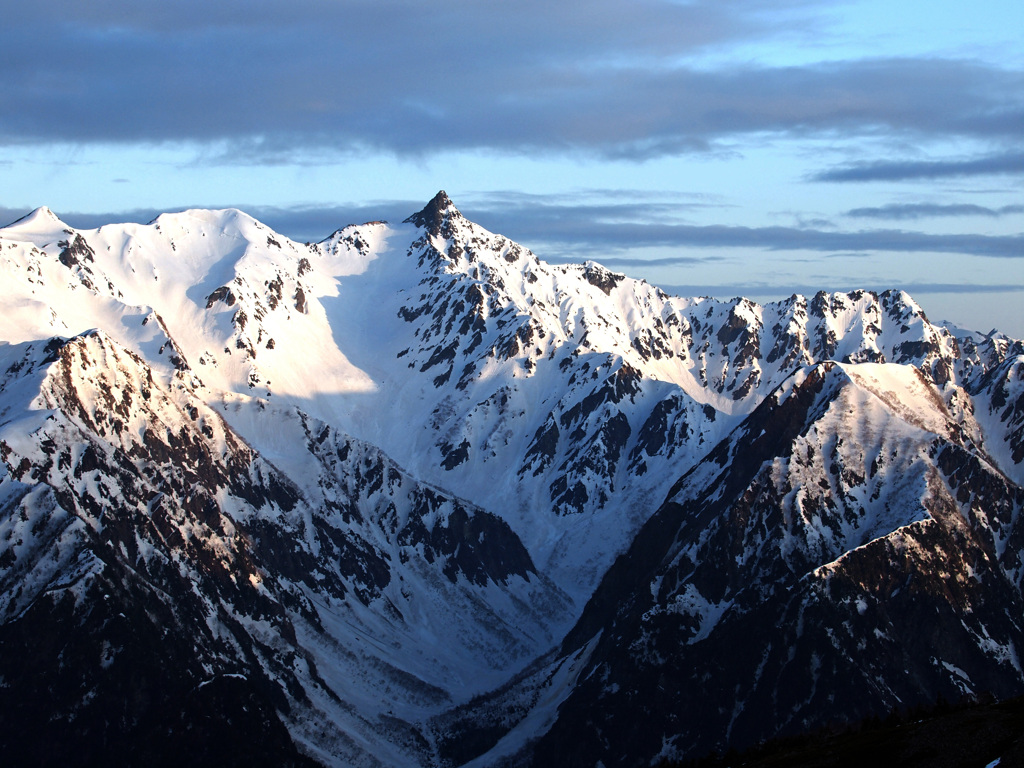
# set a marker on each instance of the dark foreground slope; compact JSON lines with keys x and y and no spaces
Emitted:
{"x":166,"y":591}
{"x":946,"y":736}
{"x":349,"y":499}
{"x":824,"y":564}
{"x":129,"y":596}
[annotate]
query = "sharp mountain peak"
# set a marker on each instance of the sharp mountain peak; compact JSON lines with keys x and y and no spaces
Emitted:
{"x":432,"y":215}
{"x":256,"y":455}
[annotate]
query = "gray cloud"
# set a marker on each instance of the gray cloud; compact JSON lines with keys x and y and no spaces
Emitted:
{"x":568,"y":218}
{"x":88,"y":220}
{"x":766,"y":289}
{"x":314,"y":223}
{"x":11,"y":215}
{"x":963,"y":288}
{"x":266,"y":82}
{"x":646,"y":25}
{"x":302,"y":223}
{"x":790,"y":238}
{"x":560,"y":231}
{"x":900,"y":170}
{"x":930,"y":210}
{"x":578,"y":230}
{"x":605,"y":224}
{"x":626,"y":262}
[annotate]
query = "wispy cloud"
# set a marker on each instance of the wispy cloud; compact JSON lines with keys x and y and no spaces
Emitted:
{"x":902,"y":211}
{"x":609,"y":226}
{"x":768,"y":289}
{"x":581,"y":234}
{"x":561,"y":231}
{"x":959,"y":288}
{"x":300,"y":222}
{"x":313,"y":223}
{"x":266,"y":82}
{"x":907,"y":170}
{"x":627,"y":262}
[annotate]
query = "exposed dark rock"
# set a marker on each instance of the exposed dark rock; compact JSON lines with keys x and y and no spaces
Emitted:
{"x":478,"y":546}
{"x":656,"y":431}
{"x":221,"y":294}
{"x":74,"y":253}
{"x":431,"y":217}
{"x":601,"y":278}
{"x":788,"y":636}
{"x":454,"y":455}
{"x":543,"y":447}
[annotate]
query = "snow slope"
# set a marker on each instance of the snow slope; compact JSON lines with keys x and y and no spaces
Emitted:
{"x":429,"y":447}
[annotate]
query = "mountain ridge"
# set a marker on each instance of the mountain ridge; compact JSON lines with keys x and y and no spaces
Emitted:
{"x":438,"y":456}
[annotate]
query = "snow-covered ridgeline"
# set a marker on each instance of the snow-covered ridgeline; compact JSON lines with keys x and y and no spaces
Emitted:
{"x":423,"y":447}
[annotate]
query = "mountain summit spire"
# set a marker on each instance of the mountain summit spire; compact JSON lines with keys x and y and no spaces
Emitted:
{"x":432,"y":216}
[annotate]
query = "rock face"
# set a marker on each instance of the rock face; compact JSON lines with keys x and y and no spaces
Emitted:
{"x":157,"y":555}
{"x":411,"y":496}
{"x":798,"y":577}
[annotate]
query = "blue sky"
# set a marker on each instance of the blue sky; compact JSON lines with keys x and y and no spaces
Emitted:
{"x":726,"y":147}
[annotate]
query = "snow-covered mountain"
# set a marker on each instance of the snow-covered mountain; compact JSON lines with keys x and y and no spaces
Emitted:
{"x":418,"y":497}
{"x":836,"y":557}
